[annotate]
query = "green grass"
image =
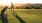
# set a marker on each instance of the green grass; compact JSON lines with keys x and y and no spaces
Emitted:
{"x":28,"y":15}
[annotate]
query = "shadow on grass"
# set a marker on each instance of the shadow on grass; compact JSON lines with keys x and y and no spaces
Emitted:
{"x":2,"y":15}
{"x":18,"y":17}
{"x":12,"y":9}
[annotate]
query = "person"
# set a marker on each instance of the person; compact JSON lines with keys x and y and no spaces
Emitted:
{"x":3,"y":10}
{"x":3,"y":15}
{"x":12,"y":5}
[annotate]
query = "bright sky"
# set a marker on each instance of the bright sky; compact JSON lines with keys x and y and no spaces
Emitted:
{"x":19,"y":1}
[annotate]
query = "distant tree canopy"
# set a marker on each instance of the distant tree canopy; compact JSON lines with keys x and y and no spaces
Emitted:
{"x":28,"y":7}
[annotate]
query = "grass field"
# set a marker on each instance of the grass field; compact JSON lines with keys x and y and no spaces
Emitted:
{"x":28,"y":15}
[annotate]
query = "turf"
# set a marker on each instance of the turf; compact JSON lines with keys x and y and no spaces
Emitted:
{"x":28,"y":15}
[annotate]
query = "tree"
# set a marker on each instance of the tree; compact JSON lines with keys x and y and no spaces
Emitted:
{"x":17,"y":7}
{"x":37,"y":7}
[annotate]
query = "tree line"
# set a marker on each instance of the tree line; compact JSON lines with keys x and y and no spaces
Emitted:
{"x":29,"y":7}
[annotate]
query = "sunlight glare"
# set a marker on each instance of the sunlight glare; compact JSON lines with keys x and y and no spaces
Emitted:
{"x":19,"y":1}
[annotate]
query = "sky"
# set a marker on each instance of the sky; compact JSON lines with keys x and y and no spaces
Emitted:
{"x":19,"y":1}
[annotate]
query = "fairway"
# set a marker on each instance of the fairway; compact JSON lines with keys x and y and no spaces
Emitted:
{"x":27,"y":15}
